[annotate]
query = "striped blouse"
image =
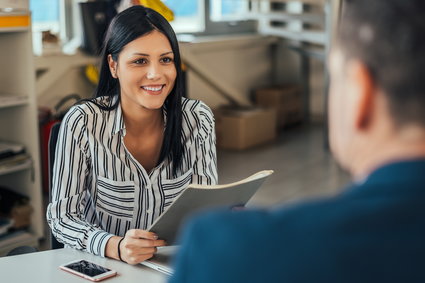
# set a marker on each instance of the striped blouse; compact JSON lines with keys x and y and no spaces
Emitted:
{"x":101,"y":190}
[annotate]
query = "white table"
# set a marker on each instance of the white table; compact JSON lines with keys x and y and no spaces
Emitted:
{"x":43,"y":267}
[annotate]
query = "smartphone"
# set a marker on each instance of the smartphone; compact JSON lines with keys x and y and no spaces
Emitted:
{"x":88,"y":270}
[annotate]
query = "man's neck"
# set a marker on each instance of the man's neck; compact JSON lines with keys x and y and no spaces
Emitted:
{"x":407,"y":143}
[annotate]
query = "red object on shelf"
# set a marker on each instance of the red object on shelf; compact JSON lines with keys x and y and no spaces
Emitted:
{"x":45,"y":129}
{"x":47,"y":119}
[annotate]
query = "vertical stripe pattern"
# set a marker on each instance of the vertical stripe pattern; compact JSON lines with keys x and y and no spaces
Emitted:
{"x":99,"y":189}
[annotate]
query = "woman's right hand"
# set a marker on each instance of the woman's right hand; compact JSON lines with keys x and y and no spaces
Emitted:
{"x":136,"y":246}
{"x":139,"y":245}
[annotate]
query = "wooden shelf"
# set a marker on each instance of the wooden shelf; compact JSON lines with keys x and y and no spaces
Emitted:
{"x":16,"y":29}
{"x":315,"y":37}
{"x":13,"y":20}
{"x":23,"y":165}
{"x":17,"y":239}
{"x":12,"y":100}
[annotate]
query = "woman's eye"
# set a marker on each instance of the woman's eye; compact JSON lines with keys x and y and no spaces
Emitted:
{"x":166,"y":60}
{"x":140,"y":61}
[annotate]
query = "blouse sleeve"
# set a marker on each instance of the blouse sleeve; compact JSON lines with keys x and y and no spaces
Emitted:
{"x":205,"y":166}
{"x":70,"y":184}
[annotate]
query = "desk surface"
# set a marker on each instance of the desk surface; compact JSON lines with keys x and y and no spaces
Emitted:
{"x":44,"y":267}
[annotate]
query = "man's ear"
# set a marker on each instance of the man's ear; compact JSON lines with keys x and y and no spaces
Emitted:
{"x":112,"y":66}
{"x":364,"y":91}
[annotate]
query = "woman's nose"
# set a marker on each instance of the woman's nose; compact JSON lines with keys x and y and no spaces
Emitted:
{"x":151,"y":75}
{"x":153,"y":72}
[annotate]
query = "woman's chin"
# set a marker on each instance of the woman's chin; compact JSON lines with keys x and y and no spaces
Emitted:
{"x":153,"y":106}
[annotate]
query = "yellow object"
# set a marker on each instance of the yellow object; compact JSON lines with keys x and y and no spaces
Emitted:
{"x":92,"y":74}
{"x":160,"y":7}
{"x":14,"y":21}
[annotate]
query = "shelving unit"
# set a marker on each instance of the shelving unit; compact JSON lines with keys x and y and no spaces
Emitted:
{"x":21,"y":166}
{"x":302,"y":21}
{"x":308,"y":27}
{"x":18,"y":120}
{"x":12,"y":100}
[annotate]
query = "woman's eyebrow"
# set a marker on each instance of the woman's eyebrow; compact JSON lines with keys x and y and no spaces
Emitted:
{"x":166,"y":53}
{"x":147,"y":55}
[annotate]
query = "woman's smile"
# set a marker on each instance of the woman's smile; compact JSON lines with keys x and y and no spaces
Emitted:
{"x":153,"y":89}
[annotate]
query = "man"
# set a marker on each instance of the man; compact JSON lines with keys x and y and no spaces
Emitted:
{"x":375,"y":230}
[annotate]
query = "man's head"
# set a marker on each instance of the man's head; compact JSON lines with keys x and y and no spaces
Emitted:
{"x":377,"y":77}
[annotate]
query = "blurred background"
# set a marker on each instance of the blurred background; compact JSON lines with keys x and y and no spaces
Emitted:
{"x":259,"y":64}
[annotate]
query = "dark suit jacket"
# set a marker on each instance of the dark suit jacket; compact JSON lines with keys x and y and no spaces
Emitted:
{"x":372,"y":232}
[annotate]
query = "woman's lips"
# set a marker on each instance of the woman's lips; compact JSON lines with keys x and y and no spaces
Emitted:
{"x":153,"y":89}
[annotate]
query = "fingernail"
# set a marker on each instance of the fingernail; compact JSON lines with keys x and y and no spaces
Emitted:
{"x":155,"y":237}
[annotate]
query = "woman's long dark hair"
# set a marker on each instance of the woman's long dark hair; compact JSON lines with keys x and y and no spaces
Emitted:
{"x":125,"y":27}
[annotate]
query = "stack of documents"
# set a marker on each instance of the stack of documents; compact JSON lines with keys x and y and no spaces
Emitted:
{"x":8,"y":149}
{"x":11,"y":155}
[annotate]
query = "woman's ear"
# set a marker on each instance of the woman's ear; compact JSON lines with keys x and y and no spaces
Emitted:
{"x":112,"y":66}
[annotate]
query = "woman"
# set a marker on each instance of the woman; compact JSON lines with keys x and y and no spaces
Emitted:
{"x":123,"y":157}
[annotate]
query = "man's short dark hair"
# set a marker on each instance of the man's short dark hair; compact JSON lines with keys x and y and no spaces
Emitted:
{"x":389,"y":37}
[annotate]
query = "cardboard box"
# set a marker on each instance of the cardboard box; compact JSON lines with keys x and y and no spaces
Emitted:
{"x":240,"y":129}
{"x":285,"y":99}
{"x":21,"y":215}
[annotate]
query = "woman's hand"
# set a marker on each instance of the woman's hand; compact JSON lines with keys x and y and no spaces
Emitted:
{"x":137,"y":246}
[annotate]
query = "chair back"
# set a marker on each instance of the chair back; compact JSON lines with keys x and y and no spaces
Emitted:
{"x":53,"y":138}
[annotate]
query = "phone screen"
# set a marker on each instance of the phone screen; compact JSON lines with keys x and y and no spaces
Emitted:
{"x":87,"y":268}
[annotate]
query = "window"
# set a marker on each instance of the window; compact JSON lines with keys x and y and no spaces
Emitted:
{"x":229,"y":10}
{"x":188,"y":15}
{"x":45,"y":15}
{"x":62,"y":17}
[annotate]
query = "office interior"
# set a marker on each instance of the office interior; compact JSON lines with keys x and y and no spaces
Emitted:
{"x":235,"y":53}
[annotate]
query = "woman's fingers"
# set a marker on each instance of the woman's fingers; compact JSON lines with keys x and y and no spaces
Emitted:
{"x":143,"y":238}
{"x":142,"y":251}
{"x":142,"y":243}
{"x":138,"y":233}
{"x":135,"y":259}
{"x":134,"y":254}
{"x":150,"y":243}
{"x":138,"y":255}
{"x":139,"y":245}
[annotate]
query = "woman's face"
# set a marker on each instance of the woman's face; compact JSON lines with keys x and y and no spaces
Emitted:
{"x":146,"y":71}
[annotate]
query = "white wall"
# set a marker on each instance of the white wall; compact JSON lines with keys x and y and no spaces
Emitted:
{"x":60,"y":75}
{"x":72,"y":82}
{"x":243,"y":64}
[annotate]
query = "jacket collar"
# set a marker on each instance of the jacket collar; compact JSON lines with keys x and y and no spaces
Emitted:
{"x":412,"y":170}
{"x":401,"y":177}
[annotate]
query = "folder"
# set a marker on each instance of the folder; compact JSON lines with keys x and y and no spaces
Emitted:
{"x":196,"y":198}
